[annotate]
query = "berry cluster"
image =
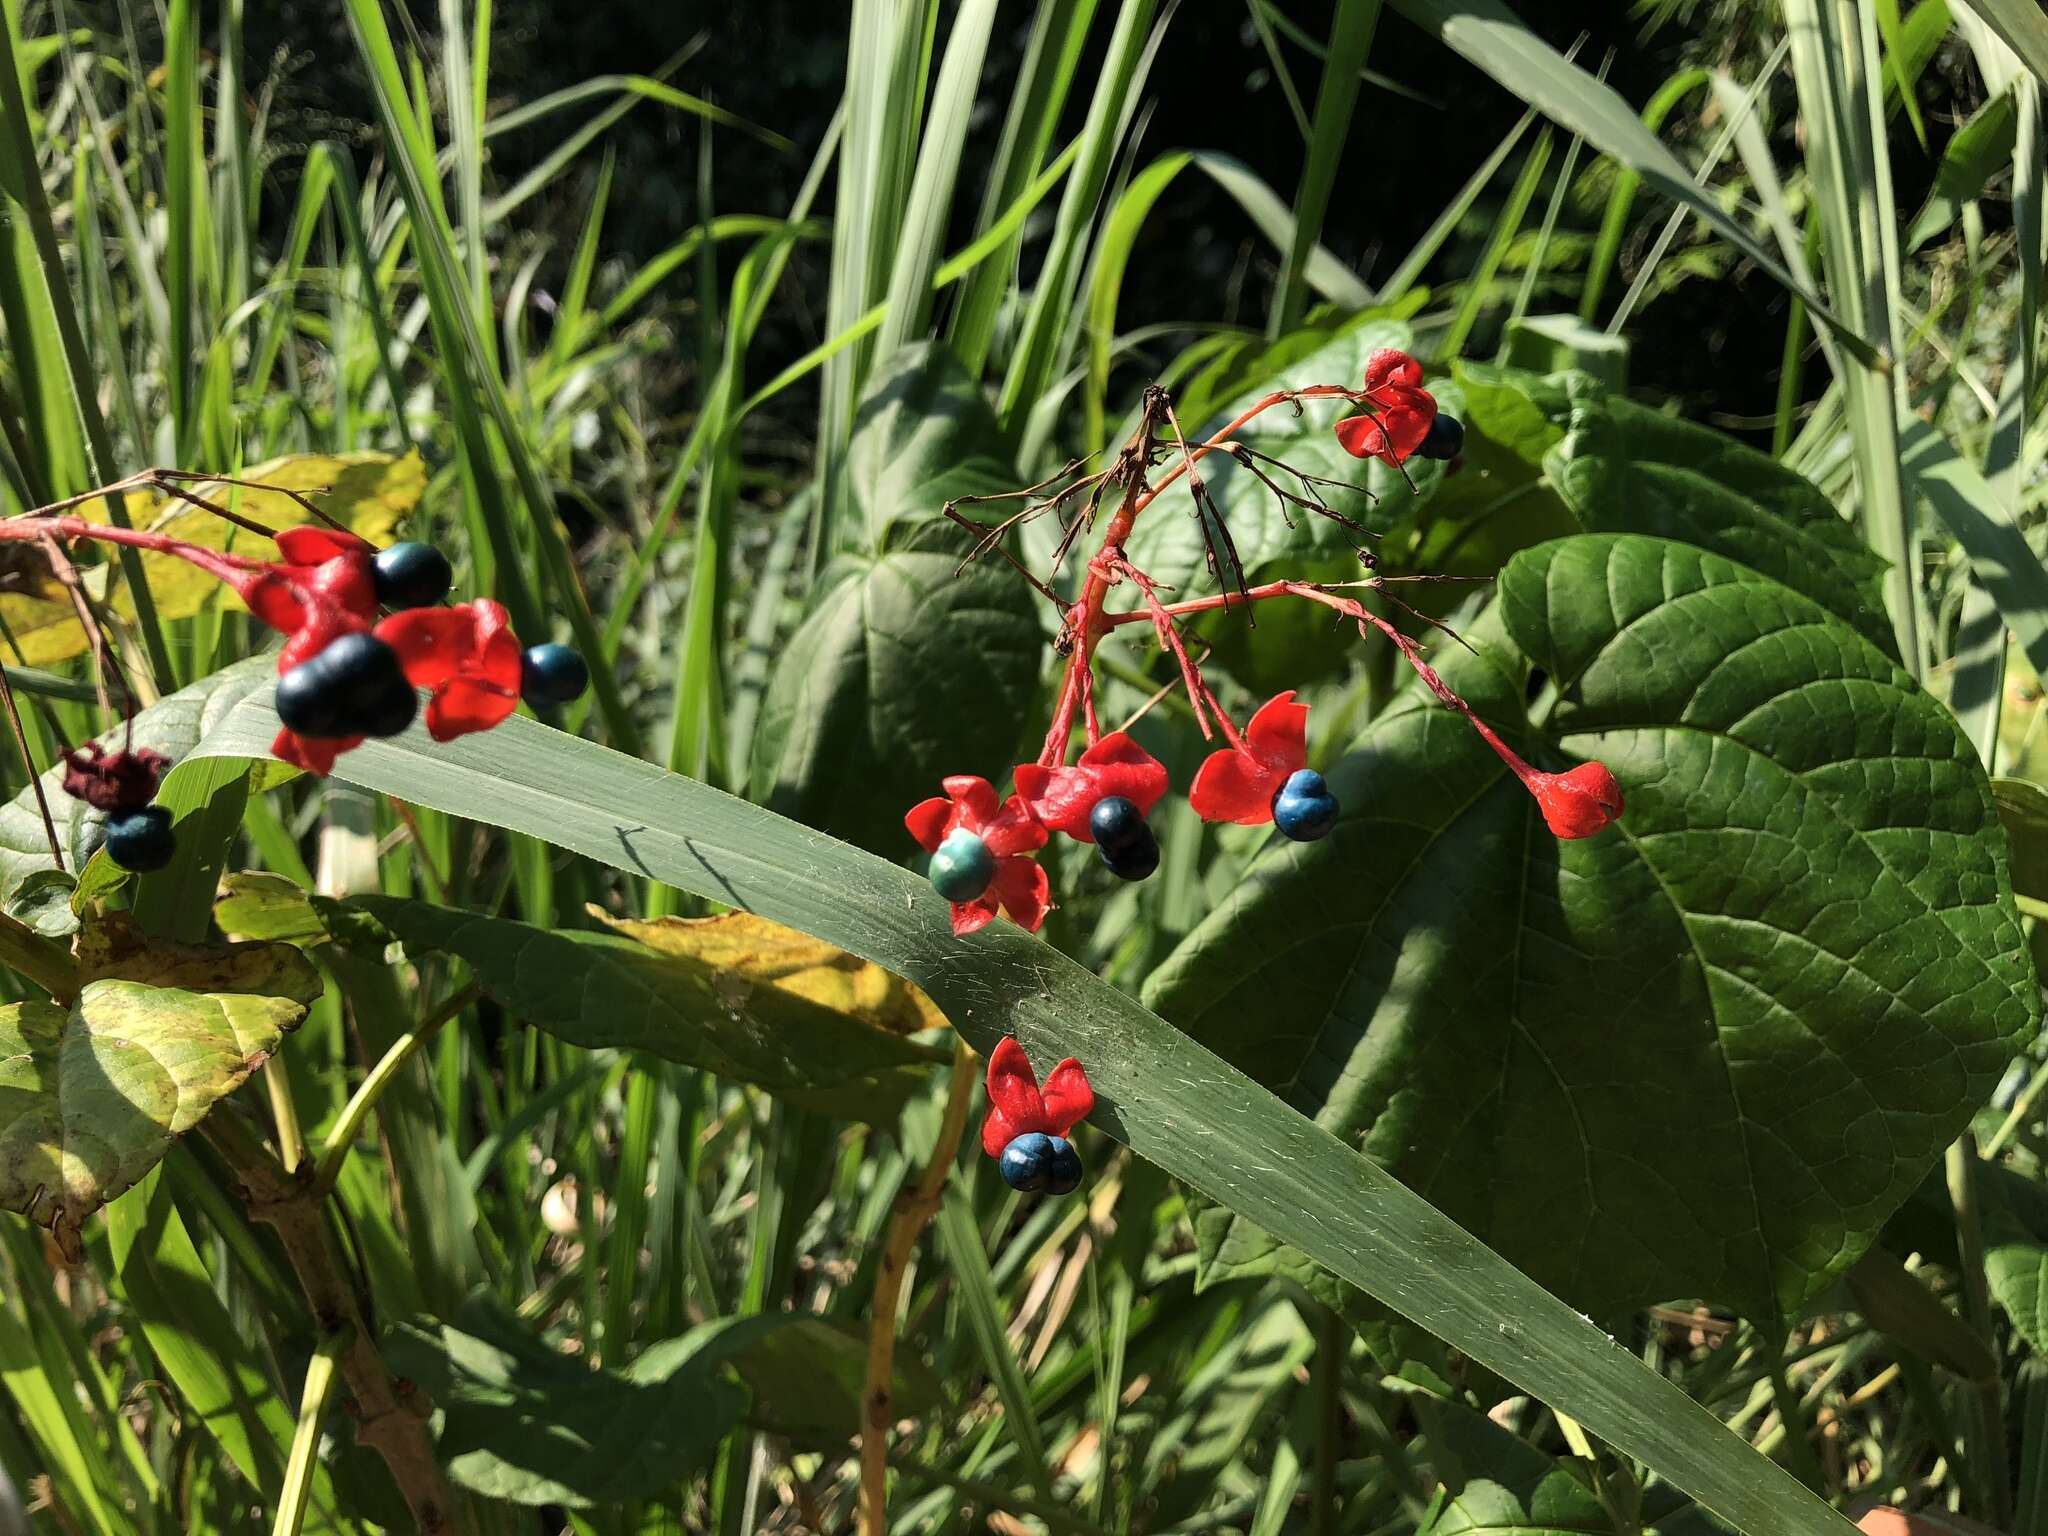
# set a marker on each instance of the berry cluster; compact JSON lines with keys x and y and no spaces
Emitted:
{"x":980,"y":845}
{"x":138,"y":834}
{"x":1027,"y":1128}
{"x":364,"y":631}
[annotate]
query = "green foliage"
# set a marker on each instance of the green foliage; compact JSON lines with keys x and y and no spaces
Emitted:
{"x":1592,"y":1039}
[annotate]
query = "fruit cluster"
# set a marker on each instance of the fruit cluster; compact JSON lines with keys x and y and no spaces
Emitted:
{"x":980,"y":845}
{"x":364,"y":631}
{"x":1028,"y":1128}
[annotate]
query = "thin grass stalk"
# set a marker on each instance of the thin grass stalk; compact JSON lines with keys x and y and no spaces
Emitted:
{"x":28,"y":186}
{"x":1351,"y":33}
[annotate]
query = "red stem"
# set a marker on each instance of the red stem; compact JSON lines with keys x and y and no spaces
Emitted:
{"x":216,"y":563}
{"x":1086,"y":622}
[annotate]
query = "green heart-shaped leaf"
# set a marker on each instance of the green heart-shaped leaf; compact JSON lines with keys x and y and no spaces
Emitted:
{"x":903,"y":673}
{"x":1705,"y":1053}
{"x":91,"y":1096}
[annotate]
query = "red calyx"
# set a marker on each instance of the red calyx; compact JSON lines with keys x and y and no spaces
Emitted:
{"x":1009,"y":830}
{"x":113,"y":781}
{"x":1017,"y":1105}
{"x":1238,"y":783}
{"x":1578,"y":803}
{"x":1061,"y":797}
{"x":1399,"y":410}
{"x":467,"y":655}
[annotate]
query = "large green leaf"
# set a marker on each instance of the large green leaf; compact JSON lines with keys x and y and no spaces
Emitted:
{"x":1271,"y":538}
{"x":90,"y":1096}
{"x":1168,"y":1098}
{"x":519,"y":1421}
{"x":1624,"y":468}
{"x":1702,"y":1055}
{"x":903,"y":672}
{"x":924,"y":435}
{"x":604,"y":989}
{"x":170,"y":726}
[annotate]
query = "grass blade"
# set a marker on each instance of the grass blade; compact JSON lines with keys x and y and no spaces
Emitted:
{"x":1351,"y":32}
{"x":1168,"y":1099}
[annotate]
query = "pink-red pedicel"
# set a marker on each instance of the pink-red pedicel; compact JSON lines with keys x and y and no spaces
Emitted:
{"x":980,"y":845}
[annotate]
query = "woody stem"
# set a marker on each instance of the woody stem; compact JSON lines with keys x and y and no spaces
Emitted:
{"x":216,"y":563}
{"x":913,"y":1209}
{"x":1085,"y":622}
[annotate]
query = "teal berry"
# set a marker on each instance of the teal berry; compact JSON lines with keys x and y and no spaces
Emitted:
{"x":963,"y":868}
{"x":1446,"y":439}
{"x":1027,"y":1162}
{"x":552,"y":674}
{"x":141,"y":840}
{"x":1063,"y":1177}
{"x":412,"y":575}
{"x":1305,"y":810}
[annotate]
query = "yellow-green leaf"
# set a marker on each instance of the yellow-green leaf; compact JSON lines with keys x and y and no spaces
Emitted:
{"x":371,"y":493}
{"x":91,"y":1096}
{"x":750,"y":951}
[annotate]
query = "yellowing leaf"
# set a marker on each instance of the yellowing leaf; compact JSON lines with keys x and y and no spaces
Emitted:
{"x":91,"y":1096}
{"x":372,"y":494}
{"x":113,"y":948}
{"x":752,"y":951}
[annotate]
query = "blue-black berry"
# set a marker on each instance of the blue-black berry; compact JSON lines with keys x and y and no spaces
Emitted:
{"x":1124,"y":840}
{"x":1064,"y":1176}
{"x":141,"y":840}
{"x":1027,"y":1162}
{"x":552,"y":674}
{"x":1304,"y":809}
{"x":355,"y":687}
{"x":1446,"y":439}
{"x":412,"y":575}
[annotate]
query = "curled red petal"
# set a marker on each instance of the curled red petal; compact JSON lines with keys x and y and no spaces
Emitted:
{"x":272,"y":597}
{"x":315,"y":754}
{"x":316,"y":543}
{"x":432,"y":644}
{"x":1394,"y":427}
{"x":973,"y":916}
{"x":929,"y":821}
{"x":1061,"y":798}
{"x":974,"y":800}
{"x":997,"y":1133}
{"x":1579,"y":803}
{"x":1390,"y":365}
{"x":1068,"y":1096}
{"x":1023,"y":891}
{"x":322,"y":627}
{"x":1013,"y":829}
{"x":465,"y":704}
{"x":1278,"y":734}
{"x":1013,"y":1088}
{"x":1234,"y":786}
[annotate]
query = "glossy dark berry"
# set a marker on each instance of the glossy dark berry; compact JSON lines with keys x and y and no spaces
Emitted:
{"x":1305,"y":809}
{"x":1064,"y":1176}
{"x":412,"y":575}
{"x":552,"y":674}
{"x":1446,"y":438}
{"x":355,"y":687}
{"x":1027,"y":1162}
{"x":141,"y":840}
{"x":1116,"y":822}
{"x":1133,"y":860}
{"x":963,"y":868}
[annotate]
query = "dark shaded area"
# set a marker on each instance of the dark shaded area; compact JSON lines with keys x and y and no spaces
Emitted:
{"x":1715,"y":342}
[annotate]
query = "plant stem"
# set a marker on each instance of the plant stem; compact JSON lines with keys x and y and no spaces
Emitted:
{"x":1987,"y":1455}
{"x":389,"y":1417}
{"x":913,"y":1209}
{"x":1333,"y":1345}
{"x":298,"y":1472}
{"x":43,"y":961}
{"x":365,"y":1098}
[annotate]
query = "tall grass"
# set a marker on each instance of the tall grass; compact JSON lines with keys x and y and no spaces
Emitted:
{"x":157,"y":307}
